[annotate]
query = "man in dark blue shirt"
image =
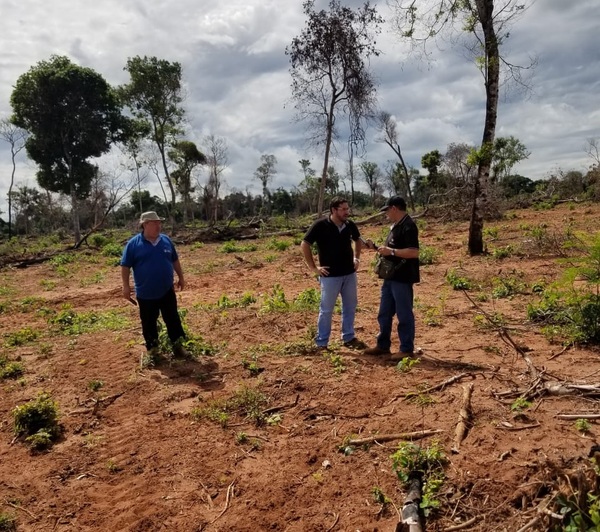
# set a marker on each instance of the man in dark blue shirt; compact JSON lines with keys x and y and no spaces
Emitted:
{"x":337,"y":269}
{"x":153,"y":257}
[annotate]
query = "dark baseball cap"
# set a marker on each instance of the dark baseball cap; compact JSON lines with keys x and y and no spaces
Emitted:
{"x":394,"y":201}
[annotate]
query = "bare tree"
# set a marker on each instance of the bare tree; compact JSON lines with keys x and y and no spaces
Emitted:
{"x":330,"y":73}
{"x":389,"y":134}
{"x":487,"y":23}
{"x":16,"y":137}
{"x":217,"y":162}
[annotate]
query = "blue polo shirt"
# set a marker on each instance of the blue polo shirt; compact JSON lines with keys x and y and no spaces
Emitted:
{"x":152,"y":265}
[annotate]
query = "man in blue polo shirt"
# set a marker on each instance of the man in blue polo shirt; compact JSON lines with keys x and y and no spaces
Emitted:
{"x":337,"y":269}
{"x":153,"y":258}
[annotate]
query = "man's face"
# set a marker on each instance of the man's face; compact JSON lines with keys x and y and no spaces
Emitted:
{"x":152,"y":228}
{"x":392,"y":214}
{"x":342,"y":212}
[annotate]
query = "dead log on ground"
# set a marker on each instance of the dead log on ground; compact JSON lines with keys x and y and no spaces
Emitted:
{"x":410,"y":508}
{"x":464,"y":418}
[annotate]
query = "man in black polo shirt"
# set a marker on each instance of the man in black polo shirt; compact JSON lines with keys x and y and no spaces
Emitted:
{"x":402,"y":247}
{"x":337,"y":269}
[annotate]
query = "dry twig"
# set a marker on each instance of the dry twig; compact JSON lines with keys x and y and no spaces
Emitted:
{"x":391,"y":437}
{"x":227,"y":499}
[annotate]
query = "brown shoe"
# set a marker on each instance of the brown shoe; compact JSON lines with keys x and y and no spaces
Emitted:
{"x":181,"y":352}
{"x":378,"y":351}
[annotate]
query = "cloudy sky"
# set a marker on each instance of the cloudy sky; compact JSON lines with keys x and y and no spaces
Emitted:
{"x":238,"y":84}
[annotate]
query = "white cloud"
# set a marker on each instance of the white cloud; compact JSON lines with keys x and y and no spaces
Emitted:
{"x":238,"y":85}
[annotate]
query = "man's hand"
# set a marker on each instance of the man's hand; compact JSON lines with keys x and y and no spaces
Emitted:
{"x":356,"y":263}
{"x":127,"y":292}
{"x":322,"y":271}
{"x":181,"y":283}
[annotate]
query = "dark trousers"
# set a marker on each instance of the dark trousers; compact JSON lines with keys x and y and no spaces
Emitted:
{"x":167,"y":307}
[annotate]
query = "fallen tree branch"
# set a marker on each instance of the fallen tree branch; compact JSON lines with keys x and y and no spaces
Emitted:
{"x":391,"y":437}
{"x":507,"y":426}
{"x":461,"y":526}
{"x":280,"y":407}
{"x":441,"y":385}
{"x":578,"y":416}
{"x":464,"y":418}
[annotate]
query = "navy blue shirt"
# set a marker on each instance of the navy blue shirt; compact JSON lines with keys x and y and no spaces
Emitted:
{"x":334,"y":245}
{"x":152,"y":265}
{"x":405,"y":234}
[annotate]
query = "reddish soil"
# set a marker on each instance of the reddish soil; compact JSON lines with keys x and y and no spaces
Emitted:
{"x":140,"y":462}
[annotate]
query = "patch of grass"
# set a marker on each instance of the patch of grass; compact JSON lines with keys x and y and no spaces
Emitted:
{"x":48,"y":284}
{"x":193,"y":343}
{"x":113,"y":467}
{"x":508,"y":285}
{"x":69,"y":322}
{"x":503,"y":252}
{"x":278,"y":245}
{"x":112,"y":249}
{"x":38,"y":421}
{"x":231,"y":246}
{"x":23,"y":336}
{"x":246,"y":402}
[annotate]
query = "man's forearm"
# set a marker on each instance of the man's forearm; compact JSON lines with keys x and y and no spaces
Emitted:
{"x":125,"y":273}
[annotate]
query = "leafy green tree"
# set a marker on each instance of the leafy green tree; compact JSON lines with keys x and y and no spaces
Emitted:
{"x":372,"y":176}
{"x":186,"y":155}
{"x":72,"y":114}
{"x":16,"y":137}
{"x":487,"y":22}
{"x":513,"y":185}
{"x":330,"y":73}
{"x":154,"y":95}
{"x":508,"y":151}
{"x":265,"y":173}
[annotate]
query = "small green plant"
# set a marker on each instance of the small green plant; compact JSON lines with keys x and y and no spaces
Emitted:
{"x":95,"y":385}
{"x":252,"y":366}
{"x":406,"y":364}
{"x":241,"y":437}
{"x":427,"y":463}
{"x":37,"y":420}
{"x":458,"y":282}
{"x":583,"y":425}
{"x":23,"y":336}
{"x":8,"y":522}
{"x":275,"y":301}
{"x":379,"y":496}
{"x":490,"y":233}
{"x":428,"y":255}
{"x":308,"y":299}
{"x":503,"y":252}
{"x":113,"y":467}
{"x":10,"y":370}
{"x":520,"y":404}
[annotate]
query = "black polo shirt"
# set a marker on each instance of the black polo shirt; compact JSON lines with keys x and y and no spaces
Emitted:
{"x":334,"y":245}
{"x":405,"y":234}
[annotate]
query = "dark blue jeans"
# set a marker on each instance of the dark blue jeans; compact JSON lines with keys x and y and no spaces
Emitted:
{"x":167,"y":307}
{"x":396,"y":299}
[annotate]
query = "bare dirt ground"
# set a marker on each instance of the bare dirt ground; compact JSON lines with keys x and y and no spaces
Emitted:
{"x":132,"y":457}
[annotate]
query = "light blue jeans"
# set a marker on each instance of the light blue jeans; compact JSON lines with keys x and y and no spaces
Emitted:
{"x":331,"y":287}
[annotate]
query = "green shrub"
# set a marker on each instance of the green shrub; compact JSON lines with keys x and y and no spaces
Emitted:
{"x":8,"y":523}
{"x":278,"y":245}
{"x":428,"y":255}
{"x":112,"y":249}
{"x":97,"y":240}
{"x":10,"y":370}
{"x":23,"y":336}
{"x":37,"y":420}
